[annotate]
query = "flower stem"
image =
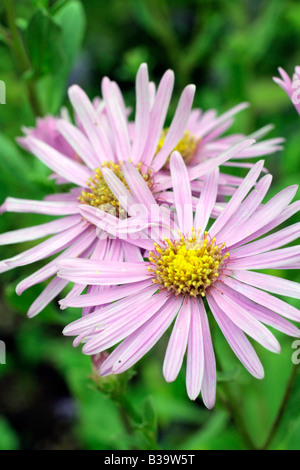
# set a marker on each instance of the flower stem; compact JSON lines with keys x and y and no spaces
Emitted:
{"x":286,"y":397}
{"x":228,"y":402}
{"x":21,"y":58}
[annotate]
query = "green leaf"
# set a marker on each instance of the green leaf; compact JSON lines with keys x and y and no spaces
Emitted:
{"x":71,"y":19}
{"x":44,"y":44}
{"x":149,"y":414}
{"x":14,"y":170}
{"x":8,"y":437}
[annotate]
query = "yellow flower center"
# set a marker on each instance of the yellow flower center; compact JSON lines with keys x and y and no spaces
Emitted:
{"x":188,"y":265}
{"x":100,"y":194}
{"x":187,"y":146}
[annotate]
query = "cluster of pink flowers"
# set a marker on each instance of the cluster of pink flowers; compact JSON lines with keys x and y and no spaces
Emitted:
{"x":153,"y":233}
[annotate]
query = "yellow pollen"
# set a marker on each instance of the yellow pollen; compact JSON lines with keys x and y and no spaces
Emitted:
{"x":187,"y":266}
{"x":187,"y":146}
{"x":99,"y":194}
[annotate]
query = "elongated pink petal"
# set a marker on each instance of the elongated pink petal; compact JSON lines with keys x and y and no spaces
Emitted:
{"x":264,"y":299}
{"x":177,"y":127}
{"x":246,"y":209}
{"x":182,"y":193}
{"x":270,"y":260}
{"x":236,"y":199}
{"x":209,"y":382}
{"x":263,"y":314}
{"x":270,"y":283}
{"x":39,"y":207}
{"x":80,"y":244}
{"x":138,"y":186}
{"x":211,"y":125}
{"x":158,"y":116}
{"x":142,"y":116}
{"x":102,"y":273}
{"x":271,"y":242}
{"x":177,"y":344}
{"x":79,"y":143}
{"x":142,"y":340}
{"x":107,"y":296}
{"x":62,"y":165}
{"x":202,"y":168}
{"x":49,"y":247}
{"x":117,"y":120}
{"x":39,"y":231}
{"x":283,"y":216}
{"x":49,"y":293}
{"x":265,"y":215}
{"x":243,"y":320}
{"x":207,"y":200}
{"x":195,"y":354}
{"x":91,"y":123}
{"x":110,"y":313}
{"x":118,"y":189}
{"x":115,"y":332}
{"x":238,"y":342}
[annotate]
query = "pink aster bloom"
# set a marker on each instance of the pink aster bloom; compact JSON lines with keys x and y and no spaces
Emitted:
{"x":218,"y":263}
{"x":203,"y":141}
{"x":290,"y":86}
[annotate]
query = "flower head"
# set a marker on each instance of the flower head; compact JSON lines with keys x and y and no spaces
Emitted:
{"x":194,"y":262}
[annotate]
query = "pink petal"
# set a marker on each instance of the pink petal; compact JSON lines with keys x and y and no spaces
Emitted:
{"x":238,"y":342}
{"x":91,"y":123}
{"x":39,"y":207}
{"x":207,"y":200}
{"x":209,"y":383}
{"x":243,"y":320}
{"x":182,"y":193}
{"x":264,"y":299}
{"x":195,"y":354}
{"x":177,"y":127}
{"x":102,"y":272}
{"x":177,"y":344}
{"x":142,"y":117}
{"x":39,"y":231}
{"x":158,"y":116}
{"x":63,"y":166}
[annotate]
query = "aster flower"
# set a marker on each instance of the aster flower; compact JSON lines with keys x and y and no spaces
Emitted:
{"x":81,"y":155}
{"x":203,"y":140}
{"x":290,"y":86}
{"x":195,"y":263}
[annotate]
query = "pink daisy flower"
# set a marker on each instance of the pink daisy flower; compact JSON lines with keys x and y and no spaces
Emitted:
{"x":290,"y":86}
{"x":195,"y":262}
{"x":203,"y":140}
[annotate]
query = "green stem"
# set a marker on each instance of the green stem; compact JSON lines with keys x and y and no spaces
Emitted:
{"x":286,"y":397}
{"x":21,"y":57}
{"x":228,"y":402}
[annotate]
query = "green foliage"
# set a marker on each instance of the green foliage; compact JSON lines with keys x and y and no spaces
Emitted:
{"x":44,"y":44}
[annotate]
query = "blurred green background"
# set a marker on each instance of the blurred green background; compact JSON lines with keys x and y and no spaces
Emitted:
{"x":230,"y":50}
